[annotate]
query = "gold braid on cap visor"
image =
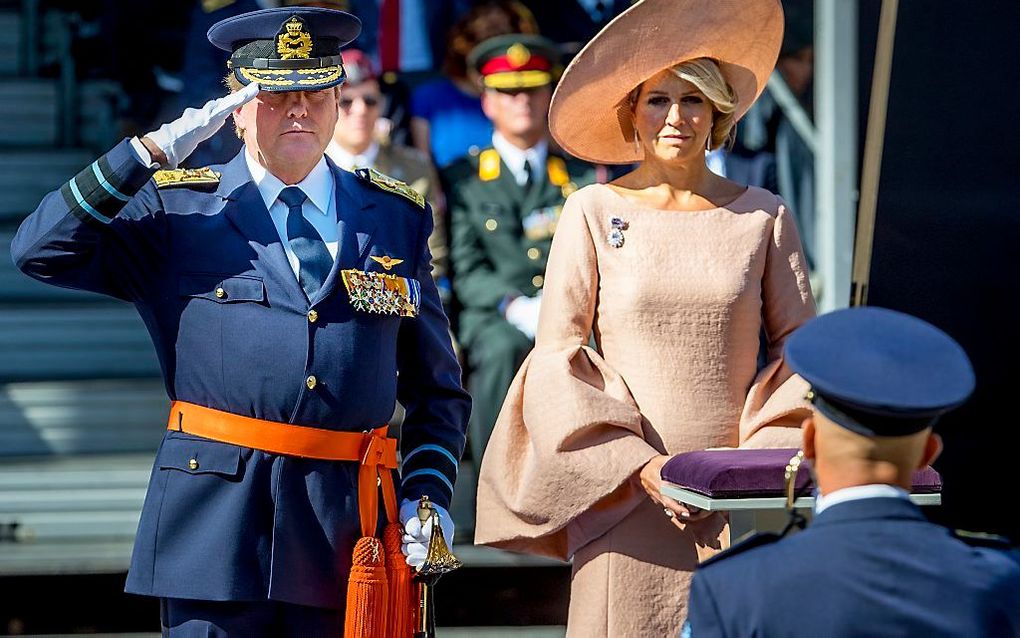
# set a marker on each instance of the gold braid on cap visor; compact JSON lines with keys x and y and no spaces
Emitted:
{"x":264,"y":77}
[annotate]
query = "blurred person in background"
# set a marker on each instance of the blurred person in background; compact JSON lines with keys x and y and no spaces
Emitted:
{"x":446,"y":114}
{"x":571,"y":23}
{"x":504,"y":204}
{"x":358,"y":143}
{"x":768,"y":150}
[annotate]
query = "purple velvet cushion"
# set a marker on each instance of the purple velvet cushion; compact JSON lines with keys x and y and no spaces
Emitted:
{"x":754,"y":473}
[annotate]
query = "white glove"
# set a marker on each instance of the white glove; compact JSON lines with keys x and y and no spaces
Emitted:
{"x":180,"y":138}
{"x":522,"y":312}
{"x":416,"y":537}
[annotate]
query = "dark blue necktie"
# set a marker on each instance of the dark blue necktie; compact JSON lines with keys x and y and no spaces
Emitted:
{"x":313,"y":256}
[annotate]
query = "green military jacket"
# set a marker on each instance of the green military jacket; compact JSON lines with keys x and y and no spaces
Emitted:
{"x":500,"y":232}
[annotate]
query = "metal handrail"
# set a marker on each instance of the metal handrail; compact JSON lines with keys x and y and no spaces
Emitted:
{"x":793,"y":110}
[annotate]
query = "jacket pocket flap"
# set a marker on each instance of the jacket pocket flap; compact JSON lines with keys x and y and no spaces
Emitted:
{"x":220,"y":288}
{"x":199,"y":456}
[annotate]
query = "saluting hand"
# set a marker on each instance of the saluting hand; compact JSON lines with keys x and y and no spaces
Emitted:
{"x":171,"y":143}
{"x":651,"y":481}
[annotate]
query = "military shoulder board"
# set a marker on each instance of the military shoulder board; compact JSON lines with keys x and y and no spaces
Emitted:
{"x":185,"y":177}
{"x":388,"y":184}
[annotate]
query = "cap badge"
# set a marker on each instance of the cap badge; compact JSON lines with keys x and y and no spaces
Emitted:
{"x":518,"y":55}
{"x":293,"y":41}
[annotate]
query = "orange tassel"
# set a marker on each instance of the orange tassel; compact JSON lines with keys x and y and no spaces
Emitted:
{"x":367,"y":591}
{"x":402,"y":599}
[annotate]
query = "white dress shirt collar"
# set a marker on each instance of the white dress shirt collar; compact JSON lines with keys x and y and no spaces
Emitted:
{"x":317,"y":185}
{"x":349,"y":161}
{"x":514,"y":157}
{"x":856,"y":493}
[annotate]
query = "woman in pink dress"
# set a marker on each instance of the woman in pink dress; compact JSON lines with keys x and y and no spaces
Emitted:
{"x":658,"y":288}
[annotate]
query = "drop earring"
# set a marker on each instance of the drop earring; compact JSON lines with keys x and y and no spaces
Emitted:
{"x":637,"y":144}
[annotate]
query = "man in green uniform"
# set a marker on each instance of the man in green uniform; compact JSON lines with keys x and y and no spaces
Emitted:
{"x":504,"y":202}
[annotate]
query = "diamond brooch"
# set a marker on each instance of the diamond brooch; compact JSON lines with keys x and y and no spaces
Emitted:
{"x":615,"y":236}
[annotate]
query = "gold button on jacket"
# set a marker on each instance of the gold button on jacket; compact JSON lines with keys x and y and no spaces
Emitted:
{"x":534,"y":253}
{"x":537,"y":281}
{"x":193,"y":464}
{"x":313,"y":316}
{"x":221,"y":293}
{"x":311,"y":381}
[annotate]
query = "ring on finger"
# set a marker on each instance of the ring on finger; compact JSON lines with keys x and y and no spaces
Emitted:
{"x":668,"y":512}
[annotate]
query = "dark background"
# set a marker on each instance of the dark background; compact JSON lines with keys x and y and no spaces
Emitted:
{"x":947,"y":236}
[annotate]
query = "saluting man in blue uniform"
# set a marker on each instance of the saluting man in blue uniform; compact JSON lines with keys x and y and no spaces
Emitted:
{"x":870,"y":564}
{"x":291,"y":305}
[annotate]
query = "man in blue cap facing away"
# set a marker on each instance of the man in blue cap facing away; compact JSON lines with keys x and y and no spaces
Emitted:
{"x":283,"y":296}
{"x":870,"y":564}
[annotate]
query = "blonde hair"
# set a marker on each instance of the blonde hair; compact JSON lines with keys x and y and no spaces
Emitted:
{"x":704,"y":73}
{"x":234,"y":85}
{"x":706,"y":76}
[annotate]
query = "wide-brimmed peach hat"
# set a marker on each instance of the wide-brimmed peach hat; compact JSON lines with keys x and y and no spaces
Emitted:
{"x":590,"y":115}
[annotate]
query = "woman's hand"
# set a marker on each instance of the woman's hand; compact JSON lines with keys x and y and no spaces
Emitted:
{"x":679,"y":513}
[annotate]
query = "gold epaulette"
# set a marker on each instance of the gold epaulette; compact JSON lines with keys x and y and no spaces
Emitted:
{"x":488,"y":165}
{"x":390,"y":185}
{"x":556,"y":168}
{"x":176,"y":177}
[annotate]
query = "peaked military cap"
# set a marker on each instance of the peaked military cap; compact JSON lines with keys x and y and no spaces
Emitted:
{"x":878,"y":372}
{"x":287,"y":49}
{"x":516,"y":61}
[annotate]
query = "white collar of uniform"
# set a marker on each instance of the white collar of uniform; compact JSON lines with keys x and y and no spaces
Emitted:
{"x":857,"y":493}
{"x":514,"y":157}
{"x":317,"y":185}
{"x":349,"y":161}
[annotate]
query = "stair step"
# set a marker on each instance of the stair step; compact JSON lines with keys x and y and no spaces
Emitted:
{"x":105,"y":342}
{"x":17,"y":287}
{"x":10,"y":26}
{"x":97,"y":115}
{"x":79,"y":417}
{"x":27,"y":175}
{"x":65,"y":526}
{"x":29,"y":110}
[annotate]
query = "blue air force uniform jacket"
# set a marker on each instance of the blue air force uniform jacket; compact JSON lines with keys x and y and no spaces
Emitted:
{"x":871,"y":567}
{"x":234,"y":331}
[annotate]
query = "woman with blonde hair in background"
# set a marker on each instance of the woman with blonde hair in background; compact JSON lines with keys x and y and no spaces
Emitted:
{"x":658,"y":287}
